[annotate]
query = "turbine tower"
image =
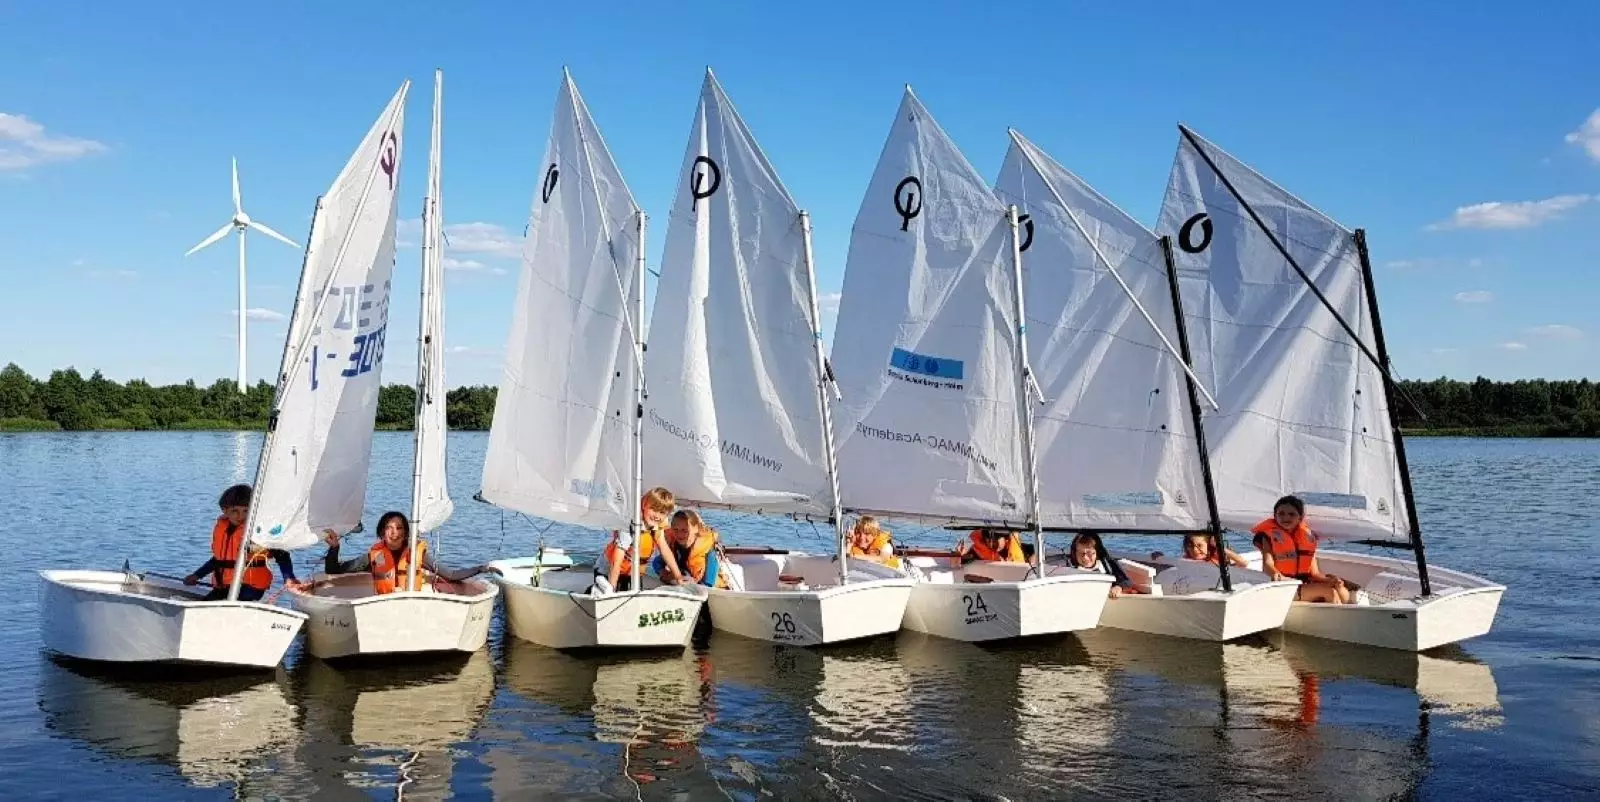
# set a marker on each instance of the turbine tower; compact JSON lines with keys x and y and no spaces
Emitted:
{"x":240,"y":223}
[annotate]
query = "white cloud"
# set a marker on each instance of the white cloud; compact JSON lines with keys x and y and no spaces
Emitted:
{"x":472,"y":350}
{"x":1512,"y":214}
{"x":1445,"y":351}
{"x":1402,"y":264}
{"x":1474,"y":297}
{"x":1514,"y":346}
{"x":24,"y":143}
{"x":452,"y":263}
{"x":1557,"y":331}
{"x":829,"y":302}
{"x":1588,"y":136}
{"x":261,"y":315}
{"x":489,"y":239}
{"x":124,"y":274}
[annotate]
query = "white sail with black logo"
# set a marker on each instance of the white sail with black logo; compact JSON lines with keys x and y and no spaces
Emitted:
{"x":733,"y":417}
{"x":926,"y":340}
{"x":1303,"y":407}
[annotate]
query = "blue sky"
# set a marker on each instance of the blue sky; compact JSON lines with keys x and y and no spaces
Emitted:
{"x":1466,"y":140}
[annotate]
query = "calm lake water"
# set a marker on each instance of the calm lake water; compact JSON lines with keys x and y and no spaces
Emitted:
{"x":1513,"y":715}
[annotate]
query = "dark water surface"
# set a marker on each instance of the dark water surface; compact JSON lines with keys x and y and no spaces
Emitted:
{"x":1105,"y":713}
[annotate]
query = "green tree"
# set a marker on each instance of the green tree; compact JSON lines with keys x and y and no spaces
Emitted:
{"x":18,"y":394}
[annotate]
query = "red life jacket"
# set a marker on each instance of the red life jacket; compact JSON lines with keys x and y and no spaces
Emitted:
{"x":1013,"y":552}
{"x":1291,"y":552}
{"x":389,"y":573}
{"x":225,"y":547}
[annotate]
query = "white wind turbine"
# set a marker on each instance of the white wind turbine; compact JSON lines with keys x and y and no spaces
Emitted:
{"x":240,"y":223}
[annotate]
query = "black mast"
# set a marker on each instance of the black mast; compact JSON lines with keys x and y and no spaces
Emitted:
{"x":1394,"y":422}
{"x":1194,"y":413}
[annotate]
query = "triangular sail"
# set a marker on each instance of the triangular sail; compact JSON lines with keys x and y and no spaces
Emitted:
{"x":1302,"y":407}
{"x":431,"y":505}
{"x":313,"y":472}
{"x":928,"y":425}
{"x":1115,"y":438}
{"x":560,"y":446}
{"x":733,"y":416}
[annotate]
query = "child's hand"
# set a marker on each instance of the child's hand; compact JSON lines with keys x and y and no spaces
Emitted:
{"x":330,"y":537}
{"x":191,"y":580}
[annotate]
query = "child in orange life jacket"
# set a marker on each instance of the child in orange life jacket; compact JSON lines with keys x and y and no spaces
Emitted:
{"x":869,"y":541}
{"x":995,"y":545}
{"x":694,"y":545}
{"x":655,"y":509}
{"x":1289,"y":551}
{"x":389,"y":559}
{"x":225,"y":536}
{"x":1086,"y":551}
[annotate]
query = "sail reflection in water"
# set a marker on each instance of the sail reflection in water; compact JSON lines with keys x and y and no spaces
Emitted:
{"x":393,"y":726}
{"x":213,"y":732}
{"x":599,"y":724}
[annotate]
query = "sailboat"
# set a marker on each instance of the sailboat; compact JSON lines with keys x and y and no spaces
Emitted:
{"x":312,"y":473}
{"x":738,"y":409}
{"x":564,"y":444}
{"x":1282,"y":302}
{"x":1119,"y":439}
{"x":347,"y":618}
{"x":937,"y":425}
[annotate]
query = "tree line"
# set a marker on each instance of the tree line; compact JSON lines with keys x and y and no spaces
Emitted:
{"x":69,"y":401}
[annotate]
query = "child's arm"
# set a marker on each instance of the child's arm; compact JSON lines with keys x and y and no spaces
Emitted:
{"x":285,"y":566}
{"x":1268,"y":567}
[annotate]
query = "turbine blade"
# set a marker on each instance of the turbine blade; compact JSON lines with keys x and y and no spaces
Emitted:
{"x":273,"y":234}
{"x":237,"y":208}
{"x":221,"y":232}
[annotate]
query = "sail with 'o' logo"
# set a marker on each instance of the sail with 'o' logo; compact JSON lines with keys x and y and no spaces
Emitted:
{"x":733,"y":415}
{"x":560,"y":446}
{"x":926,"y":342}
{"x":313,"y":471}
{"x":1302,"y":402}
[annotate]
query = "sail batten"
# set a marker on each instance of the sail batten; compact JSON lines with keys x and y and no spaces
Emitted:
{"x":927,"y":428}
{"x":732,"y":418}
{"x":1303,"y":408}
{"x":560,"y":445}
{"x":1115,"y":437}
{"x":314,"y":463}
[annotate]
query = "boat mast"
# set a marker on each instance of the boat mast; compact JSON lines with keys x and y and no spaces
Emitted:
{"x":1394,"y":422}
{"x":1215,"y":522}
{"x":637,"y":477}
{"x":824,"y":408}
{"x":425,"y":326}
{"x":284,"y":365}
{"x":1026,"y":390}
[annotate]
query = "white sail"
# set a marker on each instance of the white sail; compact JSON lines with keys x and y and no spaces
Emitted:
{"x":313,"y":472}
{"x":560,"y":446}
{"x":1302,"y":408}
{"x":732,"y":417}
{"x":1115,"y":438}
{"x":927,"y":363}
{"x":431,"y":505}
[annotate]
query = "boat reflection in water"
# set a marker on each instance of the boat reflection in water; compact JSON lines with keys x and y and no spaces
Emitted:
{"x":599,"y":724}
{"x":391,"y":726}
{"x":214,"y":731}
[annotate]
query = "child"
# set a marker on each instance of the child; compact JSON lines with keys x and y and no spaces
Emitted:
{"x":1086,"y":550}
{"x":389,"y":559}
{"x":1289,"y":551}
{"x":994,"y":545}
{"x":869,"y":541}
{"x":1197,"y":546}
{"x":225,"y":535}
{"x":655,"y":508}
{"x":695,"y":547}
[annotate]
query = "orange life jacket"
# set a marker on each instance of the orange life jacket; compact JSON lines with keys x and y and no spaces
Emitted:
{"x":225,"y":547}
{"x":389,"y":574}
{"x":647,"y":549}
{"x":1291,"y":552}
{"x":879,"y":543}
{"x":695,"y":562}
{"x":981,"y":548}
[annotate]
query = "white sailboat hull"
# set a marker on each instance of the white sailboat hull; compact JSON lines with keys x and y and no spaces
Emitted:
{"x":560,"y":614}
{"x":816,"y":611}
{"x":1463,"y":606}
{"x":98,"y":615}
{"x":1010,"y":606}
{"x":1208,"y":615}
{"x":346,"y":619}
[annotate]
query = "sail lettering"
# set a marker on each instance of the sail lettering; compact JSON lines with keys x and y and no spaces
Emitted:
{"x":908,"y":200}
{"x":551,"y":176}
{"x":1186,"y":233}
{"x":710,"y":179}
{"x":390,"y":158}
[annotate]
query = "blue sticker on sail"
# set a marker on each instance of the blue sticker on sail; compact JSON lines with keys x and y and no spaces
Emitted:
{"x":937,"y":367}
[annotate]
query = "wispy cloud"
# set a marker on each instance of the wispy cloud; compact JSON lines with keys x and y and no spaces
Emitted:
{"x":1474,"y":297}
{"x":489,"y":240}
{"x":472,"y":351}
{"x":261,"y":315}
{"x":1514,"y":346}
{"x":467,"y":265}
{"x":1588,"y":136}
{"x":117,"y":274}
{"x":1511,"y":214}
{"x":1557,"y":331}
{"x":829,"y":302}
{"x":1431,"y":262}
{"x":25,"y":143}
{"x":1445,"y":351}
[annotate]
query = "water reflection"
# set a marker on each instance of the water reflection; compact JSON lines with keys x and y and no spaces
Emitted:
{"x":602,"y":725}
{"x":393,"y":726}
{"x":213,"y":731}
